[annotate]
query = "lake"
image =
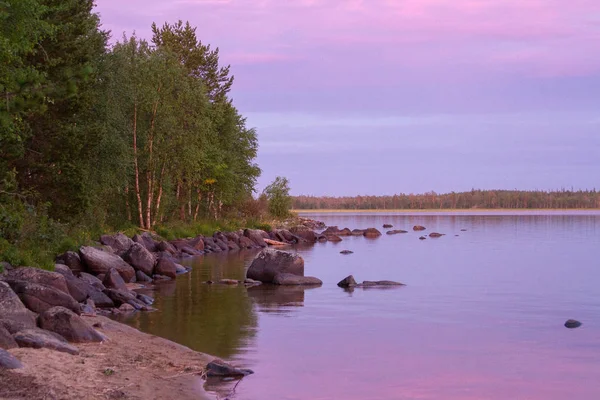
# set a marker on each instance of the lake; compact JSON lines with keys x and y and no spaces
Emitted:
{"x":481,"y":316}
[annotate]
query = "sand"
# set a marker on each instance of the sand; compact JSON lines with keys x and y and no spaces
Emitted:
{"x":131,"y":365}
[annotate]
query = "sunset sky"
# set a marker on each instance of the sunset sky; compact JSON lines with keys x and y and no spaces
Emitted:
{"x":386,"y":96}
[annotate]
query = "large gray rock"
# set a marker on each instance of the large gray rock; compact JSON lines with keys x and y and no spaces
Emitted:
{"x":166,"y":267}
{"x":124,"y":297}
{"x":69,"y":325}
{"x":13,"y":309}
{"x":99,"y":262}
{"x":101,"y":300}
{"x":36,"y":275}
{"x":146,"y":240}
{"x":39,"y":298}
{"x":140,"y":258}
{"x":92,"y":280}
{"x":39,"y":338}
{"x":113,"y":280}
{"x":78,"y":288}
{"x":269,"y":263}
{"x":71,"y":260}
{"x":8,"y":361}
{"x":119,"y":242}
{"x":295,"y":280}
{"x":6,"y":339}
{"x":256,"y":236}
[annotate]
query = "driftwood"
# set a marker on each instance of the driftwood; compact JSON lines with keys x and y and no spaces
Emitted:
{"x":275,"y":243}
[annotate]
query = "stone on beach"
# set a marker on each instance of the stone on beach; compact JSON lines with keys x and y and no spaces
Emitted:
{"x":39,"y":338}
{"x":69,"y":325}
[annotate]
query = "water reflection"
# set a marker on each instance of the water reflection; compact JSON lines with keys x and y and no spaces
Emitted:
{"x":277,"y":299}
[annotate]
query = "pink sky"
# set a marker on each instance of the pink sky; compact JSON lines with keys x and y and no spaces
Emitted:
{"x":326,"y":61}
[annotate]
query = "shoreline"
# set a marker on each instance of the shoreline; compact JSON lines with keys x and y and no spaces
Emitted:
{"x":131,"y":364}
{"x":445,"y":210}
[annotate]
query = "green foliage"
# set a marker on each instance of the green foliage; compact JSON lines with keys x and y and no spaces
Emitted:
{"x":278,"y":194}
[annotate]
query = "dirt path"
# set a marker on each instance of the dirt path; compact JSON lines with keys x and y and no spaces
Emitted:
{"x":131,"y":365}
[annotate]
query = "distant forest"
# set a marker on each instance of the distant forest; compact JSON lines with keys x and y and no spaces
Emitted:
{"x":484,"y":199}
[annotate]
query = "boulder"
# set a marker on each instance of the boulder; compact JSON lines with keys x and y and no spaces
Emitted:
{"x":118,"y":242}
{"x":346,"y":252}
{"x":13,"y":309}
{"x":422,"y":238}
{"x":13,"y":325}
{"x":71,"y":260}
{"x":345,"y":232}
{"x":166,"y":267}
{"x":209,"y":244}
{"x":358,"y":232}
{"x":221,"y":244}
{"x":36,"y":275}
{"x":572,"y":324}
{"x":121,"y":296}
{"x":285,"y":279}
{"x":197,"y":243}
{"x":246,"y":243}
{"x":142,"y":277}
{"x":331,"y":230}
{"x":371,"y":233}
{"x":268,"y":263}
{"x":113,"y":280}
{"x":387,"y":226}
{"x":435,"y":235}
{"x":126,"y":308}
{"x":166,"y":246}
{"x":8,"y":361}
{"x":100,"y":299}
{"x":92,"y":280}
{"x":69,"y":325}
{"x":347,"y":282}
{"x":6,"y":339}
{"x":333,"y":238}
{"x":78,"y":288}
{"x":39,"y":338}
{"x":418,"y":228}
{"x":232,"y":245}
{"x":396,"y":231}
{"x":256,"y":236}
{"x":144,"y":299}
{"x":146,"y":240}
{"x":99,"y":262}
{"x":219,"y":368}
{"x":140,"y":258}
{"x":304,"y":233}
{"x":39,"y":298}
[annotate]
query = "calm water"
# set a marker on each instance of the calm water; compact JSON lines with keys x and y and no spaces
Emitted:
{"x":481,"y":316}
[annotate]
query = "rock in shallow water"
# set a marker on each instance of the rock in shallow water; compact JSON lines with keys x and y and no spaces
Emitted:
{"x":346,"y":252}
{"x":396,"y":231}
{"x":291,"y":279}
{"x":219,"y":368}
{"x":347,"y":282}
{"x":268,"y":263}
{"x":572,"y":323}
{"x":418,"y":228}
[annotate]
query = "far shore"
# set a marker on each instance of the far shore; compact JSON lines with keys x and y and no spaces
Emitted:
{"x":441,"y":210}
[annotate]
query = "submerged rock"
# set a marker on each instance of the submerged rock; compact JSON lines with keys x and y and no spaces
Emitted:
{"x":229,"y":282}
{"x":418,"y":228}
{"x":381,"y":283}
{"x":572,"y":324}
{"x":333,"y":238}
{"x":346,"y":252}
{"x":386,"y":226}
{"x":422,"y":238}
{"x":396,"y":231}
{"x":358,"y":232}
{"x":435,"y":235}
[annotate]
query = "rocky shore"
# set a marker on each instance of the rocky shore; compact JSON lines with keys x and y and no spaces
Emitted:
{"x":55,"y":339}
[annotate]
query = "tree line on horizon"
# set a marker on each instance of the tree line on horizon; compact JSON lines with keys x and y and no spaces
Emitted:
{"x":138,"y":133}
{"x":484,"y":199}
